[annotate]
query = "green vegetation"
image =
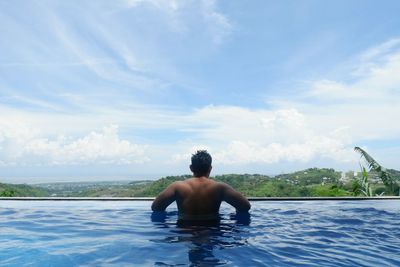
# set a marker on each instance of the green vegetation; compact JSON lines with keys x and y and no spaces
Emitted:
{"x":388,"y":180}
{"x":22,"y":190}
{"x":362,"y":186}
{"x":312,"y":182}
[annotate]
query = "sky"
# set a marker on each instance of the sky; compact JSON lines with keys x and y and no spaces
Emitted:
{"x":130,"y":89}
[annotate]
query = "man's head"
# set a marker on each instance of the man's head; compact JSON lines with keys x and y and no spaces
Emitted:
{"x":201,"y":163}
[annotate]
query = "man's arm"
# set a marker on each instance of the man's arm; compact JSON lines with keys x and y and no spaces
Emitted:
{"x":165,"y":198}
{"x":234,"y":198}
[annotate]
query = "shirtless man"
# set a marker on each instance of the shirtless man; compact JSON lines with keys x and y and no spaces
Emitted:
{"x":199,"y":198}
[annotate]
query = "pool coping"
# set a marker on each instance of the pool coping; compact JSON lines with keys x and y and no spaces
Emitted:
{"x":152,"y":198}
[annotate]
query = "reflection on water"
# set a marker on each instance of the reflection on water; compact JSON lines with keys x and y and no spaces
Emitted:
{"x":202,"y":238}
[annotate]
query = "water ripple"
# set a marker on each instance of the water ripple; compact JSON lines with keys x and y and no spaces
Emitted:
{"x":329,"y":233}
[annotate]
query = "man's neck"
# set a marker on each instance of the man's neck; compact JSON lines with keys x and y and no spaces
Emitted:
{"x":200,"y":176}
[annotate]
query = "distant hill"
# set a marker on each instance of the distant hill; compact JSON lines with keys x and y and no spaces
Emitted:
{"x":312,"y":182}
{"x":311,"y":176}
{"x":76,"y":189}
{"x":21,"y":190}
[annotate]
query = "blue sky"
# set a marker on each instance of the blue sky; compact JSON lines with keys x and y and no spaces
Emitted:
{"x":130,"y":89}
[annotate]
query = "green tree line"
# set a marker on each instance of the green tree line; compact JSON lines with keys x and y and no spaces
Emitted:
{"x":312,"y":182}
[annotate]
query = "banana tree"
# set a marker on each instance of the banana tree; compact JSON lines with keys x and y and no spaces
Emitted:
{"x":389,"y":182}
{"x":362,"y":187}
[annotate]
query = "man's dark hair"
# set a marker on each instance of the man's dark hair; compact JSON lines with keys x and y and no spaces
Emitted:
{"x":201,"y":163}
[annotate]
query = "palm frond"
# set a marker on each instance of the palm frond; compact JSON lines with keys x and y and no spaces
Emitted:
{"x":372,"y":163}
{"x":386,"y":178}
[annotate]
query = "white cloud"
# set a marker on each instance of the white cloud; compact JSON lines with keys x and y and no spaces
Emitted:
{"x":376,"y":55}
{"x":222,"y":123}
{"x":218,"y":24}
{"x":239,"y":152}
{"x":374,"y":78}
{"x":19,"y":145}
{"x":329,"y":119}
{"x":324,"y":122}
{"x":243,"y":136}
{"x":135,"y":52}
{"x":367,"y":104}
{"x":185,"y":16}
{"x":361,"y":106}
{"x":117,"y":45}
{"x":185,"y":156}
{"x":234,"y":135}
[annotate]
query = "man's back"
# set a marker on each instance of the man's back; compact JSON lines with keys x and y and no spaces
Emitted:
{"x":199,"y":197}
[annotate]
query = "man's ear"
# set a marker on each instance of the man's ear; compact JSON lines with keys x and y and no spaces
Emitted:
{"x":209,"y":170}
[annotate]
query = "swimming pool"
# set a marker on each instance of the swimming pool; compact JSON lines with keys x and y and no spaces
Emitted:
{"x":125,"y":233}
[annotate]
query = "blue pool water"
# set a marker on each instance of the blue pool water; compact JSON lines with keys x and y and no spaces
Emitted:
{"x":124,"y":233}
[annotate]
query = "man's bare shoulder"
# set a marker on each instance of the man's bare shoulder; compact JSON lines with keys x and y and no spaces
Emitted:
{"x":223,"y":185}
{"x":177,"y":184}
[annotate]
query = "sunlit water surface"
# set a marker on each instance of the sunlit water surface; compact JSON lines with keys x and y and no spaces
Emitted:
{"x":95,"y":233}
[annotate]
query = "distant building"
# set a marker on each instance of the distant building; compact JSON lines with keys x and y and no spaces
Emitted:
{"x":343,"y":178}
